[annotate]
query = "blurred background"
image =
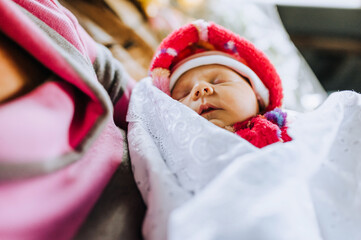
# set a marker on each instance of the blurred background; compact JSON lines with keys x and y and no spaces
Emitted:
{"x":315,"y":45}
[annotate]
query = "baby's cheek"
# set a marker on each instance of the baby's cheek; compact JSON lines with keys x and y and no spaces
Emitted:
{"x":186,"y":101}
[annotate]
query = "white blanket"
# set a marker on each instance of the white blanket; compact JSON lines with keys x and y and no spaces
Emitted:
{"x":203,"y":182}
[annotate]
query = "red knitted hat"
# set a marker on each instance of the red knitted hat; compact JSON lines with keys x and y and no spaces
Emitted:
{"x":203,"y":43}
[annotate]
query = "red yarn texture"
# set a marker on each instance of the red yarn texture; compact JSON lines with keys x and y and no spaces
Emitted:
{"x":261,"y":132}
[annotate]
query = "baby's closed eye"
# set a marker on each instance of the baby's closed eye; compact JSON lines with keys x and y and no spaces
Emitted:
{"x":219,"y":80}
{"x":223,"y":81}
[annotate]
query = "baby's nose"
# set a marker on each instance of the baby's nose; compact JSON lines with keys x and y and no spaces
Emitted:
{"x":202,"y":89}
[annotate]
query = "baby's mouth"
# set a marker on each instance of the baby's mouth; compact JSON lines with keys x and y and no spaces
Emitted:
{"x":204,"y":109}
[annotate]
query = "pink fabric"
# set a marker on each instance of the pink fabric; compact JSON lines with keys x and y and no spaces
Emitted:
{"x":29,"y":36}
{"x":55,"y":205}
{"x":88,"y":42}
{"x":47,"y":122}
{"x":32,"y":39}
{"x":46,"y":113}
{"x":84,"y":118}
{"x":59,"y":19}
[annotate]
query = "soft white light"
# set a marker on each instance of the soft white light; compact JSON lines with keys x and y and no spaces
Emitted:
{"x":311,"y":101}
{"x":316,"y":3}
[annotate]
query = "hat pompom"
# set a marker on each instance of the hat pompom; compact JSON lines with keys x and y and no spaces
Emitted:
{"x":277,"y":116}
{"x":161,"y":79}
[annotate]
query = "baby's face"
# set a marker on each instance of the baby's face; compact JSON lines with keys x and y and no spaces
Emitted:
{"x":217,"y":93}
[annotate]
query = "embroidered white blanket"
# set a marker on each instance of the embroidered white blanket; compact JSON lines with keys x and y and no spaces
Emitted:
{"x":203,"y":182}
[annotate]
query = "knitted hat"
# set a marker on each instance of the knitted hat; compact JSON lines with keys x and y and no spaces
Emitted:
{"x":201,"y":43}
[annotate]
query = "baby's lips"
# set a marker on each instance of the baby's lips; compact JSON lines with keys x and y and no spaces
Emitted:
{"x":205,"y":108}
{"x":202,"y":108}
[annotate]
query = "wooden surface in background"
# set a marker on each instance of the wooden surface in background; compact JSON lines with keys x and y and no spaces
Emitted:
{"x":123,"y":32}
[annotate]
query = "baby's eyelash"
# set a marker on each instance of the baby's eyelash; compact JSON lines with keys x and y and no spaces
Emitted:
{"x":217,"y":81}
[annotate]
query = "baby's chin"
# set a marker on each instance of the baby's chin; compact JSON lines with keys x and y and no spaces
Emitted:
{"x":221,"y":124}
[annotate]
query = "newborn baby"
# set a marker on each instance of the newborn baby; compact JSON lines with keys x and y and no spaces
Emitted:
{"x":225,"y":79}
